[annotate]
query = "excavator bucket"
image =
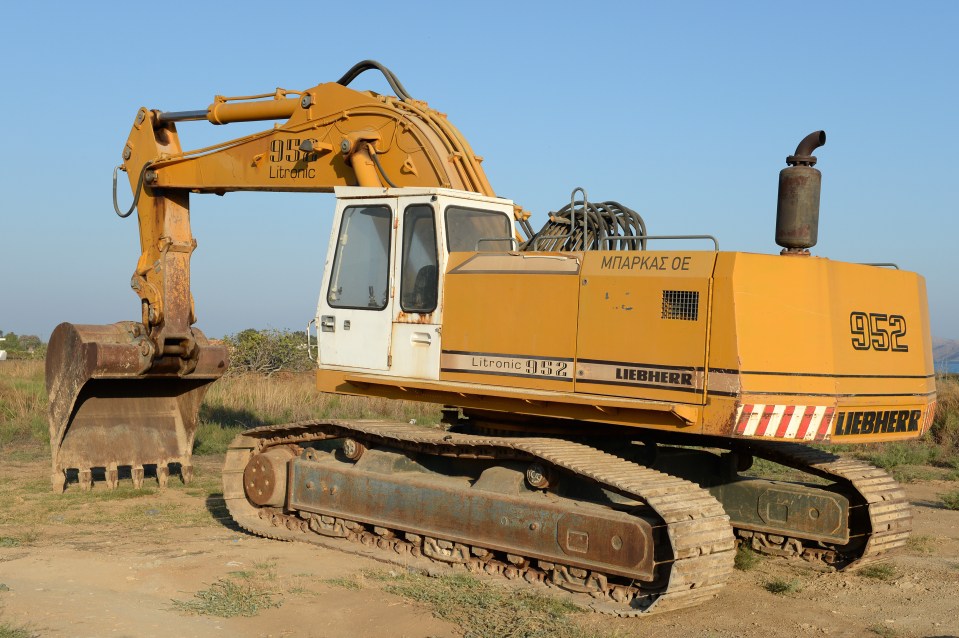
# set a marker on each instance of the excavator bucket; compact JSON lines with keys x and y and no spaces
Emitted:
{"x":113,"y":407}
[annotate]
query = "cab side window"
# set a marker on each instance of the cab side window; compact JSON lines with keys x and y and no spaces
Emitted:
{"x":361,"y":266}
{"x":419,"y":277}
{"x":465,"y":227}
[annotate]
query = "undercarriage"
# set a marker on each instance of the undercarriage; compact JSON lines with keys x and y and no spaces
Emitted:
{"x":634,"y":528}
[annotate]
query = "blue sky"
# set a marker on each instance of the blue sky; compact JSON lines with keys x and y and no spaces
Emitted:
{"x":684,"y":111}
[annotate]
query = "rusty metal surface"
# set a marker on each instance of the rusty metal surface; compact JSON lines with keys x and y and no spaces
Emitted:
{"x":877,"y":514}
{"x":693,"y":539}
{"x":786,"y":509}
{"x":426,"y":318}
{"x":797,"y":210}
{"x":523,"y":522}
{"x":113,"y":405}
{"x":266,"y":476}
{"x":879,"y":519}
{"x":880,"y":515}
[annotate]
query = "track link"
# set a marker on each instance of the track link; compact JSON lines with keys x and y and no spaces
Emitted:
{"x":691,"y":570}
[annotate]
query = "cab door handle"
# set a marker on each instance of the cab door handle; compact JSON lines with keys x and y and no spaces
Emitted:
{"x":328,"y":323}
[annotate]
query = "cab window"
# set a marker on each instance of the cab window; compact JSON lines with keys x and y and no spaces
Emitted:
{"x":419,"y":275}
{"x":360,"y":277}
{"x":465,"y":227}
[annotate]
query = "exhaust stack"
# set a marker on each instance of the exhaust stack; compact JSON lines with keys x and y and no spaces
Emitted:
{"x":797,"y":211}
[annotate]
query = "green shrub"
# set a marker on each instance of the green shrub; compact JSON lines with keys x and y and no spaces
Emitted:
{"x":950,"y":499}
{"x":746,"y":558}
{"x":780,"y":586}
{"x":268,"y":351}
{"x":879,"y":571}
{"x":229,"y":597}
{"x":13,"y":631}
{"x":483,"y":610}
{"x":892,"y":455}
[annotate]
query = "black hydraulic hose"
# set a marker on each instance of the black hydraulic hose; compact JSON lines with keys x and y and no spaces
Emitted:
{"x":136,"y":195}
{"x":379,"y":167}
{"x":366,"y":65}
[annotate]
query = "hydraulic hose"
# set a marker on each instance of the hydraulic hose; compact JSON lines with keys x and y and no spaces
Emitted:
{"x":136,"y":195}
{"x":367,"y":65}
{"x":608,"y":226}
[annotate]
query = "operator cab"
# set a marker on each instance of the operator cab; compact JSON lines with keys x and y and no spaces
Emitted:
{"x":381,"y":304}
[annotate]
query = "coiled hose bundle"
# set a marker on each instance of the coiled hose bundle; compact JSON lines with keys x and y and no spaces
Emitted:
{"x":583,"y":225}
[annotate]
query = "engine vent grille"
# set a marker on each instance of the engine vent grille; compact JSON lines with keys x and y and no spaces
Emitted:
{"x":681,"y":304}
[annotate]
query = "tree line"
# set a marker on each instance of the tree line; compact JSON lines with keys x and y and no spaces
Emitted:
{"x":265,"y":352}
{"x":22,"y":346}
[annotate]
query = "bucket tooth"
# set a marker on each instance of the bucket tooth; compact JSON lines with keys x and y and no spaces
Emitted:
{"x":85,"y":477}
{"x":163,"y":474}
{"x":112,"y":476}
{"x":112,"y":399}
{"x":136,"y":473}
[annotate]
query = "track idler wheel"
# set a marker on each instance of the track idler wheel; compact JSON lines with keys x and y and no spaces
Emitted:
{"x":265,"y":477}
{"x":539,"y":477}
{"x":353,"y":449}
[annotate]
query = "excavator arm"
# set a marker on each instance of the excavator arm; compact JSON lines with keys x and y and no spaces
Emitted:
{"x":333,"y":136}
{"x":128,"y":394}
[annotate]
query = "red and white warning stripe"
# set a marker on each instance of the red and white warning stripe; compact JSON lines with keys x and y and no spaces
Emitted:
{"x":798,"y":422}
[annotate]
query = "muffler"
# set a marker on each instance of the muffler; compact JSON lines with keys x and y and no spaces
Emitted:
{"x":115,"y":405}
{"x":797,"y":210}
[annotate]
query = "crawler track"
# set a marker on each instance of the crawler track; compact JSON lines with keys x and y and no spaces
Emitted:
{"x":691,"y":566}
{"x":881,"y":519}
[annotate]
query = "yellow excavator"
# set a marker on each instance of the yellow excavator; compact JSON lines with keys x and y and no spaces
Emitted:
{"x":605,"y":389}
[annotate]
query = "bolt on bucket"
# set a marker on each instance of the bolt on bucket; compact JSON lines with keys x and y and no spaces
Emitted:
{"x":113,"y":405}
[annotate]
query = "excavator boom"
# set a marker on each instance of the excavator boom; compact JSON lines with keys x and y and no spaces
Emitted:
{"x":127,"y":395}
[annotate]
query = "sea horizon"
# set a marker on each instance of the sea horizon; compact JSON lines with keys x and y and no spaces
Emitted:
{"x":947,"y":367}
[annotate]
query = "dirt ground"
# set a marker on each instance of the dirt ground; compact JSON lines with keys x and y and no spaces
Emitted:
{"x":84,"y":566}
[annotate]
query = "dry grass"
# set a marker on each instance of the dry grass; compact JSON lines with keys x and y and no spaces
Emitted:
{"x":237,"y":594}
{"x":482,"y":609}
{"x":23,"y":403}
{"x":15,"y":631}
{"x":945,"y":427}
{"x":884,"y":631}
{"x":232,"y":404}
{"x":236,"y":403}
{"x":22,"y":370}
{"x":30,"y":511}
{"x":248,"y":399}
{"x":921,"y":544}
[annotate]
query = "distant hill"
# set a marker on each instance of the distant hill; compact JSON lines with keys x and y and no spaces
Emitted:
{"x":945,"y":350}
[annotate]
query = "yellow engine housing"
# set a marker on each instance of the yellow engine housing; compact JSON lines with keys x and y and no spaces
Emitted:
{"x":721,"y":343}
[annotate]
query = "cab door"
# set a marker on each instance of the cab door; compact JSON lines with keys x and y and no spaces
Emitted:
{"x":419,"y":263}
{"x":355,"y":311}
